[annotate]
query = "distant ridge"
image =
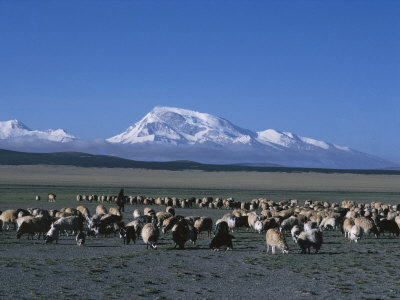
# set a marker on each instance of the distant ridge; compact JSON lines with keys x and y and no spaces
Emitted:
{"x":80,"y":159}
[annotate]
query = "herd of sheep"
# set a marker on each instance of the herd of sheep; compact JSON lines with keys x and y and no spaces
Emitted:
{"x":305,"y":223}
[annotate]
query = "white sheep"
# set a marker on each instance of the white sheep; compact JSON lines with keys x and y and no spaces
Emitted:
{"x":295,"y":231}
{"x":259,"y":226}
{"x":356,"y":232}
{"x":136,"y":213}
{"x":72,"y":223}
{"x":150,"y":234}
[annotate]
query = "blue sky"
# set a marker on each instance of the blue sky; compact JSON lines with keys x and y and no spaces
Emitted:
{"x":329,"y":70}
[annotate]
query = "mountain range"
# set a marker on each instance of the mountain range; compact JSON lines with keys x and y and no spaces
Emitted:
{"x":168,"y":133}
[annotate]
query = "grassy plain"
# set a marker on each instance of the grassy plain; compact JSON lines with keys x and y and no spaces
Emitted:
{"x":107,"y":269}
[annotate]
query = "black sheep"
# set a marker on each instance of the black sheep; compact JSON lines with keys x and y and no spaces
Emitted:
{"x":222,"y":237}
{"x":128,"y":233}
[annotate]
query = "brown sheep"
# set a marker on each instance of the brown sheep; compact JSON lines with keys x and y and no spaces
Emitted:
{"x":101,"y":210}
{"x":204,"y":224}
{"x":9,"y":217}
{"x":275,"y":239}
{"x":114,"y":211}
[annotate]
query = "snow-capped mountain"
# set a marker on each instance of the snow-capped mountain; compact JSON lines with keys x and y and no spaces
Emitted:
{"x":176,"y":126}
{"x":168,"y":133}
{"x":203,"y":137}
{"x":15,"y":129}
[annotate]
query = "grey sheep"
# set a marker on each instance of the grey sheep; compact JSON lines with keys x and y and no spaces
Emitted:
{"x":311,"y":238}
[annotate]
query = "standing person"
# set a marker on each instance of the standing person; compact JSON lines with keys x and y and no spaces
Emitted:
{"x":121,"y":200}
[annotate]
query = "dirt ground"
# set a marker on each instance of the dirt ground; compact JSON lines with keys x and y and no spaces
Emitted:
{"x":106,"y":269}
{"x":76,"y":176}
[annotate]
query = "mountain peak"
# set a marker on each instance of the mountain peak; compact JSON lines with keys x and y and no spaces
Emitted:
{"x":13,"y":129}
{"x":171,"y":125}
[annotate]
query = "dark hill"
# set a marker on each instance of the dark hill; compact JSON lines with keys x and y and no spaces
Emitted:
{"x":79,"y":159}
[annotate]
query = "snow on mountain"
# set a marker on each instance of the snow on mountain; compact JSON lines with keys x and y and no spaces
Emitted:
{"x":176,"y":126}
{"x":293,"y":141}
{"x":169,"y":133}
{"x":15,"y":129}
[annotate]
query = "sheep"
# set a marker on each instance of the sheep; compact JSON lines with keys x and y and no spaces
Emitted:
{"x":72,"y":223}
{"x":51,"y":197}
{"x":180,"y":233}
{"x":310,"y":225}
{"x":37,"y":198}
{"x":275,"y":239}
{"x":252,"y":218}
{"x":148,"y":211}
{"x":80,"y":238}
{"x":94,"y":220}
{"x":295,"y":231}
{"x":168,"y":223}
{"x":114,"y":211}
{"x":128,"y":233}
{"x":346,"y":227}
{"x":33,"y":225}
{"x":230,"y":220}
{"x":269,"y":223}
{"x":52,"y":234}
{"x":78,"y":198}
{"x":100,"y":209}
{"x":355,"y":234}
{"x":20,"y":220}
{"x":259,"y":226}
{"x":8,"y":217}
{"x":222,"y":237}
{"x":139,"y":222}
{"x":288,"y":223}
{"x":241,"y":221}
{"x":388,"y":225}
{"x":367,"y":225}
{"x":204,"y":224}
{"x":161,"y":216}
{"x":328,"y":223}
{"x":170,"y":209}
{"x":107,"y":224}
{"x":39,"y":212}
{"x":150,"y":234}
{"x":83,"y":210}
{"x":136,"y":213}
{"x":308,"y":239}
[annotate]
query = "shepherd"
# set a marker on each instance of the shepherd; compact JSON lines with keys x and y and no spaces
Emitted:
{"x":121,"y":200}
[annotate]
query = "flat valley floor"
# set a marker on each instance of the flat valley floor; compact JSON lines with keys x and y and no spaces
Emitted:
{"x":106,"y":269}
